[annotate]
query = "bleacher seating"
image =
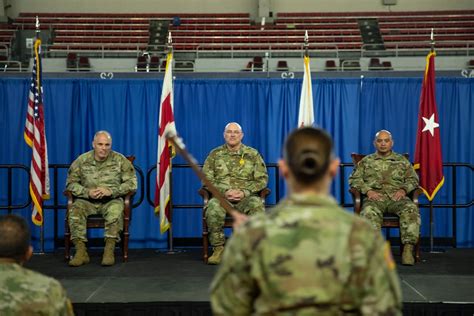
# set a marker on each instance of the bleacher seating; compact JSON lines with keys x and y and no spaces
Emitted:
{"x":470,"y":64}
{"x":330,"y":65}
{"x":282,"y":65}
{"x":327,"y":31}
{"x":84,"y":64}
{"x":334,"y":33}
{"x":7,"y":33}
{"x":71,"y":62}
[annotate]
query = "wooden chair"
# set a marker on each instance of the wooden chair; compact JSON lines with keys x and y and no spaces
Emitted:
{"x":97,"y":221}
{"x":206,"y":196}
{"x":389,"y":220}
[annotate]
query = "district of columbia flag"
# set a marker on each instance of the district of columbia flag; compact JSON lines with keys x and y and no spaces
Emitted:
{"x":428,"y":160}
{"x":35,"y":137}
{"x":163,"y":168}
{"x":306,"y":112}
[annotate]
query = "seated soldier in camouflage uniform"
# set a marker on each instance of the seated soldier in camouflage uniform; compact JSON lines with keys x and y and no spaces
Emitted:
{"x":307,"y":256}
{"x":25,"y":292}
{"x":239,"y":173}
{"x":98,"y":179}
{"x":385,"y":178}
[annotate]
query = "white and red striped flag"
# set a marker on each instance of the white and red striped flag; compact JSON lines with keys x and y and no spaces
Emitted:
{"x":35,"y":137}
{"x":163,"y":168}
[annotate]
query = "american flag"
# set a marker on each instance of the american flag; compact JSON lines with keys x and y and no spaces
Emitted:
{"x":35,"y":137}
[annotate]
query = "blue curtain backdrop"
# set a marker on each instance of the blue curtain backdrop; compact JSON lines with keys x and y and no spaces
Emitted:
{"x":352,"y":110}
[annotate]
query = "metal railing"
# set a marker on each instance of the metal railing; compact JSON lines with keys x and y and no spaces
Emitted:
{"x":145,"y":191}
{"x":270,"y":48}
{"x":102,"y":50}
{"x":5,"y":65}
{"x":398,"y":49}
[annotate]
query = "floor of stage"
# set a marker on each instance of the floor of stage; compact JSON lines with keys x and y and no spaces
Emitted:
{"x":151,"y":276}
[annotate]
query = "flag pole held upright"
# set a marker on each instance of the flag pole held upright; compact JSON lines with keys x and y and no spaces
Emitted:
{"x":428,"y":159}
{"x":35,"y":137}
{"x":306,"y":111}
{"x":165,"y":153}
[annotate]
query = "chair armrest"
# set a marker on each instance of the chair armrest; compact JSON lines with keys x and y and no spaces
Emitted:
{"x":264,"y":193}
{"x":415,"y":194}
{"x":357,"y":197}
{"x":70,"y":198}
{"x":127,"y":203}
{"x":205,"y":194}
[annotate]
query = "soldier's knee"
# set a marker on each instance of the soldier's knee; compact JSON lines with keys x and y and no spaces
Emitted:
{"x":77,"y":214}
{"x":370,"y":211}
{"x":115,"y":211}
{"x":214,"y":209}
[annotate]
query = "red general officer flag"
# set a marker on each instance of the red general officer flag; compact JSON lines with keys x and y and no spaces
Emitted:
{"x":163,"y":168}
{"x":428,"y":159}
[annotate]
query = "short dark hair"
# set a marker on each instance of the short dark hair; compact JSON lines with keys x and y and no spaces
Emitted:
{"x":14,"y":237}
{"x":307,"y":152}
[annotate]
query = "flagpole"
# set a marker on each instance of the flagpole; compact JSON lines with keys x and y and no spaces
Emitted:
{"x":431,"y":227}
{"x":432,"y":49}
{"x":37,"y":25}
{"x":171,"y":249}
{"x":306,"y":44}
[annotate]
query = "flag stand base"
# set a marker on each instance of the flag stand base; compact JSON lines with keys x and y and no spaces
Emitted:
{"x":170,"y":251}
{"x":437,"y":250}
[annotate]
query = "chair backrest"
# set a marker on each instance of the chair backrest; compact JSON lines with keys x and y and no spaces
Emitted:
{"x":356,"y":158}
{"x":257,"y":59}
{"x":374,"y":61}
{"x":71,"y":56}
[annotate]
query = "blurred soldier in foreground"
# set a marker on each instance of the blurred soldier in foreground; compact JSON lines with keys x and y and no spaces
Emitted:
{"x":385,"y":178}
{"x":98,"y":179}
{"x":22,"y":291}
{"x":307,"y":256}
{"x":239,"y":173}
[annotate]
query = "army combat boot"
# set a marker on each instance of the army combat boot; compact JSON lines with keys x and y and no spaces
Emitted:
{"x":216,"y":255}
{"x":407,"y":255}
{"x":108,"y":258}
{"x":81,"y":257}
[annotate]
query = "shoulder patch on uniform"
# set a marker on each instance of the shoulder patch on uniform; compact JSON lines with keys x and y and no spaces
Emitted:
{"x":387,"y":253}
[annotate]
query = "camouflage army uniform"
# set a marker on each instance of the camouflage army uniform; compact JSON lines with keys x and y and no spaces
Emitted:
{"x":306,"y":257}
{"x":386,"y":175}
{"x":243,"y":170}
{"x":115,"y":173}
{"x":25,"y":292}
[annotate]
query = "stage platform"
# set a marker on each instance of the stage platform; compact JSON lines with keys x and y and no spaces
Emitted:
{"x":156,"y":283}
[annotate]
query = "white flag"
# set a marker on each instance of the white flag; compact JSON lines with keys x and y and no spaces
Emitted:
{"x":306,"y":112}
